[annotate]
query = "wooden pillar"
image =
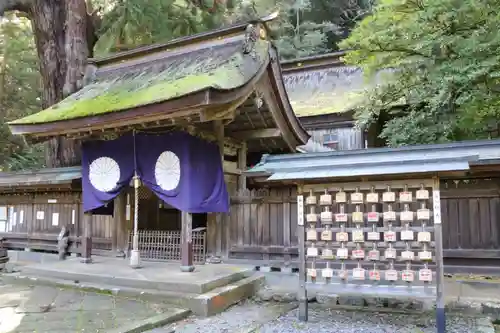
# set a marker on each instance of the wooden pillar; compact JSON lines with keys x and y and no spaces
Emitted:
{"x":214,"y":221}
{"x":302,"y":294}
{"x":87,"y":238}
{"x":120,"y":224}
{"x":186,"y":242}
{"x":242,"y":165}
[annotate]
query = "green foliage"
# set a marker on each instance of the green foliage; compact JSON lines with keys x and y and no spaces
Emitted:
{"x":131,"y":23}
{"x":294,"y":35}
{"x":342,"y":16}
{"x":20,"y":90}
{"x":441,"y":58}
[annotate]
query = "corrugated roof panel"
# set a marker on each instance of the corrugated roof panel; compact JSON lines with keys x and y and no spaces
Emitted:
{"x":371,"y":170}
{"x":485,"y":150}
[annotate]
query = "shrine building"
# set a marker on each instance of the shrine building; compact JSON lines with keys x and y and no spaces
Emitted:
{"x":167,"y":130}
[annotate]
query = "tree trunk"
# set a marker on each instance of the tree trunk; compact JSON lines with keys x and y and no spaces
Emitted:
{"x":62,"y":29}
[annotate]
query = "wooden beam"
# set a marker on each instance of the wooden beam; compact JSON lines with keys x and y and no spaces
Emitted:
{"x":257,"y":134}
{"x":219,"y":134}
{"x":242,"y":165}
{"x":87,"y":238}
{"x":186,"y":242}
{"x":231,"y":168}
{"x":225,"y":112}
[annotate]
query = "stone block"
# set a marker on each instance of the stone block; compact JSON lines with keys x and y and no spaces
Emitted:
{"x":465,"y":306}
{"x":406,"y":304}
{"x":352,"y":300}
{"x":491,"y":309}
{"x":327,"y":300}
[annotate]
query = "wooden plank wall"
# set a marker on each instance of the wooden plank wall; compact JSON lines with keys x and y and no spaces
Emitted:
{"x":28,"y":231}
{"x":349,"y":138}
{"x":262,"y":224}
{"x":471,"y":218}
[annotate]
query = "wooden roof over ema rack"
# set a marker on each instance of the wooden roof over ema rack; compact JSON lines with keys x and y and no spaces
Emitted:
{"x":231,"y":75}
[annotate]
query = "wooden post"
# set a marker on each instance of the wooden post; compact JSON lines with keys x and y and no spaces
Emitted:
{"x":87,"y":238}
{"x":214,"y":224}
{"x":302,"y":293}
{"x":120,"y":224}
{"x":438,"y":238}
{"x":186,"y":242}
{"x":242,"y":165}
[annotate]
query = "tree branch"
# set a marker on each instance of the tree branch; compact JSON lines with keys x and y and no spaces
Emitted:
{"x":20,"y":5}
{"x":381,"y":48}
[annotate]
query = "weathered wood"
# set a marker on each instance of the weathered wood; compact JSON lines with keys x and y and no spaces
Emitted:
{"x":242,"y":165}
{"x":438,"y":239}
{"x":120,"y":223}
{"x":231,"y":168}
{"x":87,"y":239}
{"x":257,"y":134}
{"x":472,"y":253}
{"x":302,"y":292}
{"x":211,"y":234}
{"x":186,"y":243}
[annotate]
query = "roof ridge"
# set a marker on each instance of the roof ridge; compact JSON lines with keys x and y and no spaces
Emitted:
{"x":185,"y":40}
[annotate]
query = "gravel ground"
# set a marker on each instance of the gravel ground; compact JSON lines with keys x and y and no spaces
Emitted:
{"x":327,"y":321}
{"x":250,"y":317}
{"x":244,"y":317}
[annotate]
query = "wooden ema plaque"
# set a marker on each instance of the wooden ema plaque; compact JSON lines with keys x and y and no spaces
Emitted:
{"x":386,"y":225}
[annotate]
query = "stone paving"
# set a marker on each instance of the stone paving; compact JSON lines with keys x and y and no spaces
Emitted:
{"x":49,"y":309}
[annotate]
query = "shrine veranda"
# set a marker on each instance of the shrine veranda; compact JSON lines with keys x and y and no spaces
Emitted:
{"x":380,"y":238}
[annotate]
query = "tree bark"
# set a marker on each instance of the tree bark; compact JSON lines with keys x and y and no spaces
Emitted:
{"x":64,"y":40}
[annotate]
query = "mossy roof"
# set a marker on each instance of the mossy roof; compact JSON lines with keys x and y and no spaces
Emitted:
{"x":170,"y":74}
{"x":325,"y":90}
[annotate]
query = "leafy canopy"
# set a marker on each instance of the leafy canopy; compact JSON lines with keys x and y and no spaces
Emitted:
{"x":20,"y":91}
{"x":438,"y":58}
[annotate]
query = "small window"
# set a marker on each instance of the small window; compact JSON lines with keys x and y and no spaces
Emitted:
{"x":331,"y":140}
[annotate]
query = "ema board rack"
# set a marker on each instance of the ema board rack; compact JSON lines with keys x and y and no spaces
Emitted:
{"x":371,"y":238}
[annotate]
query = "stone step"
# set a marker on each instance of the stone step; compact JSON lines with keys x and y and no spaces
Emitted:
{"x":205,"y":304}
{"x":196,"y":287}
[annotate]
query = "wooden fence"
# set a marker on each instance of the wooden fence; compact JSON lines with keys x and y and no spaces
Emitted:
{"x":262,"y":224}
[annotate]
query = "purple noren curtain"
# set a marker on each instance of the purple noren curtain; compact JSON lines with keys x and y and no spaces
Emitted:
{"x":103,"y":153}
{"x":184,"y":171}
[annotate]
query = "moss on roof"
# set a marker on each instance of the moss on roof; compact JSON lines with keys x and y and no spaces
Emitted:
{"x":221,"y":67}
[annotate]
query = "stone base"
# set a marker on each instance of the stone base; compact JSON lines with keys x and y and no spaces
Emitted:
{"x":135,"y":259}
{"x":187,"y":269}
{"x":86,"y":260}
